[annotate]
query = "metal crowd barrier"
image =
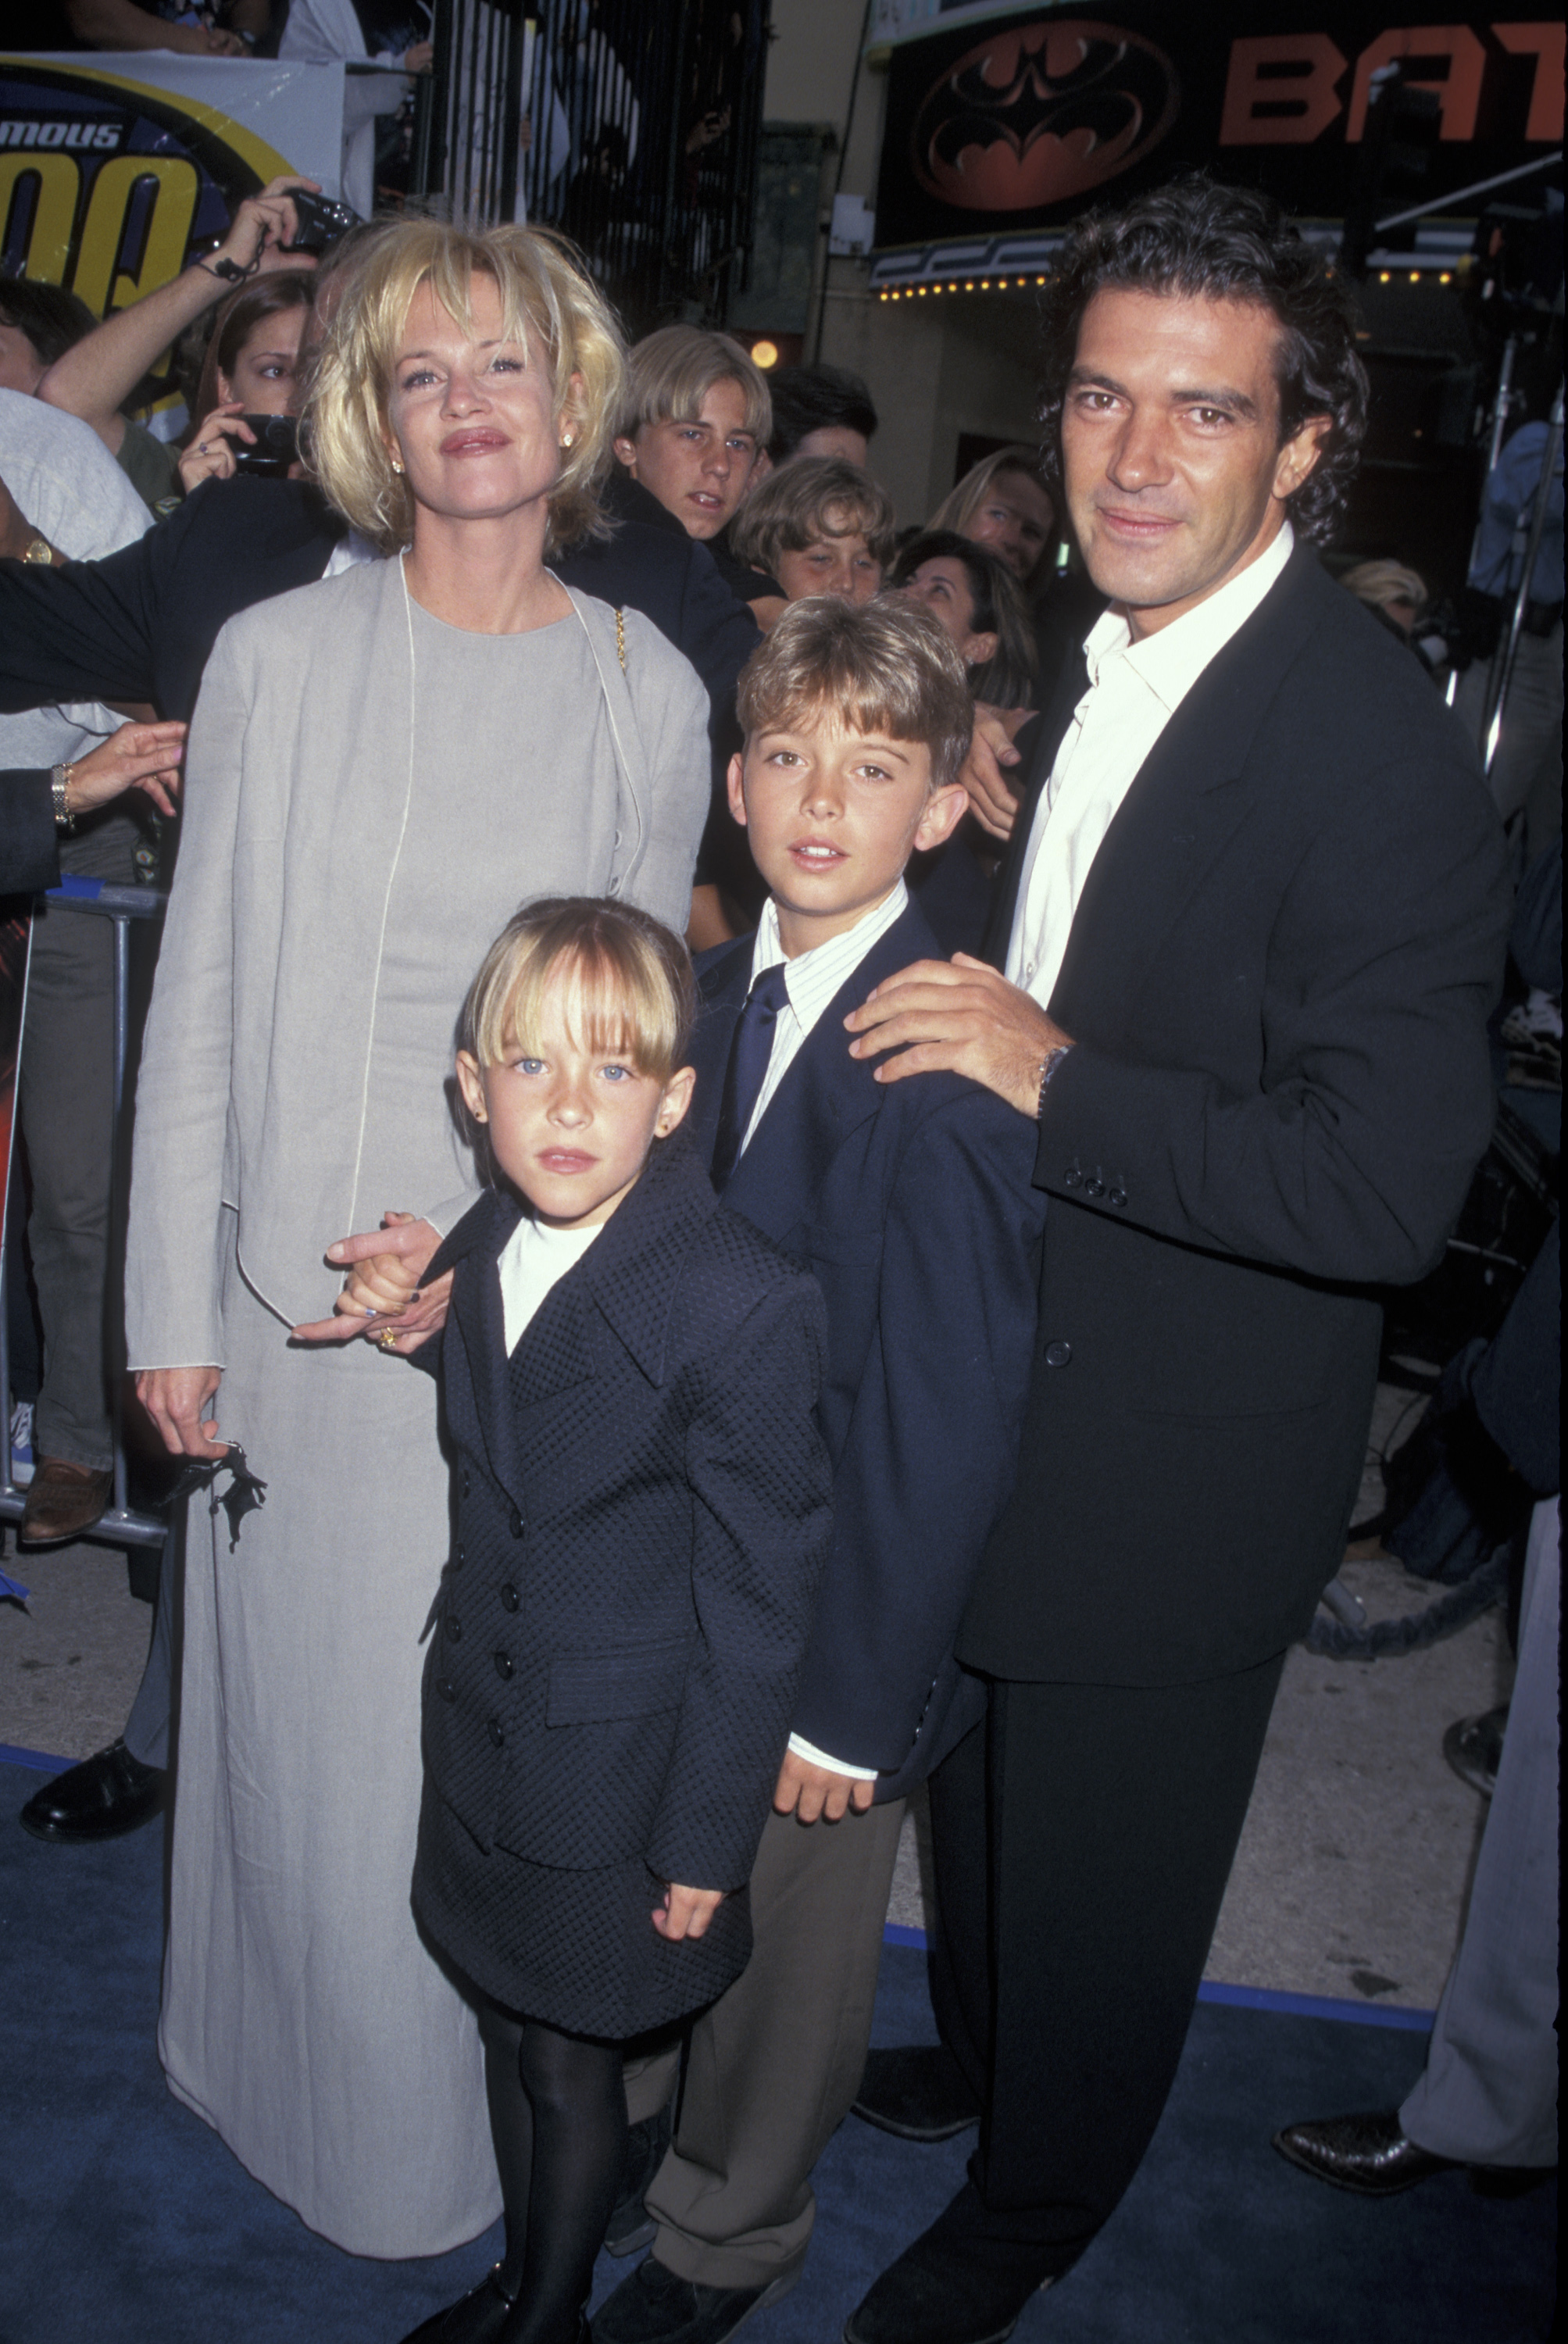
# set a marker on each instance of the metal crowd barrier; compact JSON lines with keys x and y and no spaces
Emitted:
{"x":120,"y":1524}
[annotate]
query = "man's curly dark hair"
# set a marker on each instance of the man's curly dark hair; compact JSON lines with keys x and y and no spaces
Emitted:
{"x":1230,"y":243}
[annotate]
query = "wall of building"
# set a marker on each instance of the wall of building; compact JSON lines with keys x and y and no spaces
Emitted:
{"x":938,"y":368}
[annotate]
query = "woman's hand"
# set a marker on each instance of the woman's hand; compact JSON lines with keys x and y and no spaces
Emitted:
{"x":177,"y":1401}
{"x":686,"y":1912}
{"x":420,"y":58}
{"x":385,"y":1299}
{"x":984,"y":776}
{"x":210,"y":456}
{"x":262,"y":232}
{"x":137,"y":757}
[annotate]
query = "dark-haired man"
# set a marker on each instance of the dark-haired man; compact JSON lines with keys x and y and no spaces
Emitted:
{"x":1248,"y":931}
{"x":820,"y":410}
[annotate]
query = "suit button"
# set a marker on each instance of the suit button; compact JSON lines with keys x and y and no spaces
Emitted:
{"x":511,"y":1601}
{"x":1095,"y":1188}
{"x":1073,"y":1177}
{"x":1116,"y":1196}
{"x":505,"y":1667}
{"x":454,"y":1628}
{"x":447,"y":1689}
{"x":1059,"y":1354}
{"x":515,"y":1522}
{"x":492,"y":1727}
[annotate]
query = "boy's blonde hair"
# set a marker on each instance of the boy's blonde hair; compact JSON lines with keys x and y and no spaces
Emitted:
{"x":671,"y":371}
{"x":549,"y":305}
{"x":810,"y":497}
{"x":633,"y":977}
{"x":887,"y":666}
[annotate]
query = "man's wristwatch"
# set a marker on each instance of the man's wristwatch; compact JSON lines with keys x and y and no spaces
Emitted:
{"x":40,"y":550}
{"x":59,"y":782}
{"x":1048,"y":1064}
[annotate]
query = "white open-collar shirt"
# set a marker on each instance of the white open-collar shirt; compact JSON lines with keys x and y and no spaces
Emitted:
{"x":1135,"y":689}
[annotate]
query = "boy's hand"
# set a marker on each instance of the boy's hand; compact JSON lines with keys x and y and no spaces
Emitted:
{"x":686,"y":1912}
{"x":384,"y":1295}
{"x":985,"y":774}
{"x":809,"y":1791}
{"x":960,"y":1016}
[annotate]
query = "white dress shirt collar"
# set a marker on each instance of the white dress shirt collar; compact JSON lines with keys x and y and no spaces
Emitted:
{"x":1170,"y":660}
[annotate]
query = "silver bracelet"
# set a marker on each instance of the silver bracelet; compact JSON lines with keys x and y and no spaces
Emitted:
{"x":59,"y":781}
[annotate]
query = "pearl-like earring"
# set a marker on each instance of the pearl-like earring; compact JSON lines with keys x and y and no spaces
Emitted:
{"x":566,"y":439}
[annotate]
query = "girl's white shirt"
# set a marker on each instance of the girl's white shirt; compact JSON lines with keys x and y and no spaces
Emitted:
{"x":532,"y":1261}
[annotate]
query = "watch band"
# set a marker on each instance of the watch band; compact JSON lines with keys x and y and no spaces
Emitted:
{"x":1048,"y":1064}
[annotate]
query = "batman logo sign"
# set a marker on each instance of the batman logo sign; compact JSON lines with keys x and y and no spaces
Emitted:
{"x":1031,"y":116}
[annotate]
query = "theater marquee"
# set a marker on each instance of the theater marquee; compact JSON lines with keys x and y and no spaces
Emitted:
{"x":1002,"y":124}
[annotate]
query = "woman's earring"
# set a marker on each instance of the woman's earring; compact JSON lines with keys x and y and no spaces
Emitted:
{"x":396,"y":466}
{"x":566,"y":439}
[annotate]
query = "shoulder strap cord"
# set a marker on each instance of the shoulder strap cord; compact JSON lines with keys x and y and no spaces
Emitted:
{"x":618,"y":704}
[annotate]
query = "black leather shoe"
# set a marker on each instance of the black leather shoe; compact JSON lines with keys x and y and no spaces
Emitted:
{"x":654,"y":2306}
{"x":1368,"y":2153}
{"x":631,"y":2226}
{"x":474,"y":2319}
{"x":107,"y":1795}
{"x":1474,"y":1748}
{"x":918,"y":2092}
{"x":956,"y":2285}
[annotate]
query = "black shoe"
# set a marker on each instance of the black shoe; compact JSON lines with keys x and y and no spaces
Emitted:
{"x":958,"y":2284}
{"x":654,"y":2306}
{"x":474,"y":2319}
{"x":631,"y":2226}
{"x":1368,"y":2153}
{"x":107,"y":1795}
{"x":918,"y":2092}
{"x":1474,"y":1748}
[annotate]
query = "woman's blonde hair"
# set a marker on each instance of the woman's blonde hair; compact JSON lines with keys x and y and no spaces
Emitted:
{"x":631,"y":976}
{"x":959,"y":506}
{"x":549,"y":305}
{"x":671,"y":371}
{"x":809,"y":497}
{"x":1384,"y":583}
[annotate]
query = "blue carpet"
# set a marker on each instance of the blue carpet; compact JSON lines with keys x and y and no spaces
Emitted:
{"x":125,"y":2221}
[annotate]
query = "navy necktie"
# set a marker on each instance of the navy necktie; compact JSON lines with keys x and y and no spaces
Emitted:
{"x":749,"y":1054}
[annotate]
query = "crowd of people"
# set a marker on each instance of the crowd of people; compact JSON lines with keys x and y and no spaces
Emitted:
{"x":879,"y":1075}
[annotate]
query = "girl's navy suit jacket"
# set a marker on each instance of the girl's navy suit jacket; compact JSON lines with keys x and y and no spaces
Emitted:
{"x":641,"y":1517}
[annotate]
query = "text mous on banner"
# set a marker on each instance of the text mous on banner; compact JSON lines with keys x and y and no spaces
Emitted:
{"x":116,"y":168}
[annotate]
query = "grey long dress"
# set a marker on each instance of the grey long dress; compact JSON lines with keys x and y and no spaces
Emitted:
{"x":302,"y":2016}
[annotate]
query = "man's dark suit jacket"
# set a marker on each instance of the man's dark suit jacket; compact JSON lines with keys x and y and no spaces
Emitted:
{"x":642,"y":1512}
{"x":1276,"y":981}
{"x":912,"y":1203}
{"x":140,"y":624}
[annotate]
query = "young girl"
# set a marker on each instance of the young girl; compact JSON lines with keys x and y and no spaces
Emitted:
{"x":641,"y":1515}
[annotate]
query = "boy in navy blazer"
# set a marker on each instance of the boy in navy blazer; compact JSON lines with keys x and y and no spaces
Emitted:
{"x":913,"y":1204}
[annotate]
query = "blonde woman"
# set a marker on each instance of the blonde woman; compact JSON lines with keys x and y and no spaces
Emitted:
{"x":1002,"y":503}
{"x":383,"y":765}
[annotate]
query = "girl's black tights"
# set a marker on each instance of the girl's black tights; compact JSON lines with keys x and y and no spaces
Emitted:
{"x":558,"y":2113}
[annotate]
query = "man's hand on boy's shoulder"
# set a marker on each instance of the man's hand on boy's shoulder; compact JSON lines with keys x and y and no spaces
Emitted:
{"x":958,"y":1017}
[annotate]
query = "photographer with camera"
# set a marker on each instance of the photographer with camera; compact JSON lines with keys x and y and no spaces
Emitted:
{"x":249,"y":394}
{"x":271,"y":231}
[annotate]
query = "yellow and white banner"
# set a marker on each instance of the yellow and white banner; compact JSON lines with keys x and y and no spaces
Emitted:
{"x":115,"y":167}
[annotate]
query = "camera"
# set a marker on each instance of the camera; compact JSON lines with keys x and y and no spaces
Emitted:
{"x":322,"y":220}
{"x":277,"y":446}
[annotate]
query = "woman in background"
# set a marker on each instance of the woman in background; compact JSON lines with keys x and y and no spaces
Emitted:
{"x":974,"y":595}
{"x":1002,"y":503}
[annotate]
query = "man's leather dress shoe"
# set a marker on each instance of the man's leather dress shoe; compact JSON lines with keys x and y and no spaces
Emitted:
{"x":1369,"y":2154}
{"x":918,"y":2092}
{"x":63,"y":1500}
{"x":957,"y":2284}
{"x":103,"y":1797}
{"x":655,"y":2307}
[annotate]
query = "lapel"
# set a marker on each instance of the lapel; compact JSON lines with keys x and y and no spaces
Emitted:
{"x":1072,"y":682}
{"x":1185,"y":805}
{"x":825,"y":1094}
{"x":475,"y":1247}
{"x":723,"y":980}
